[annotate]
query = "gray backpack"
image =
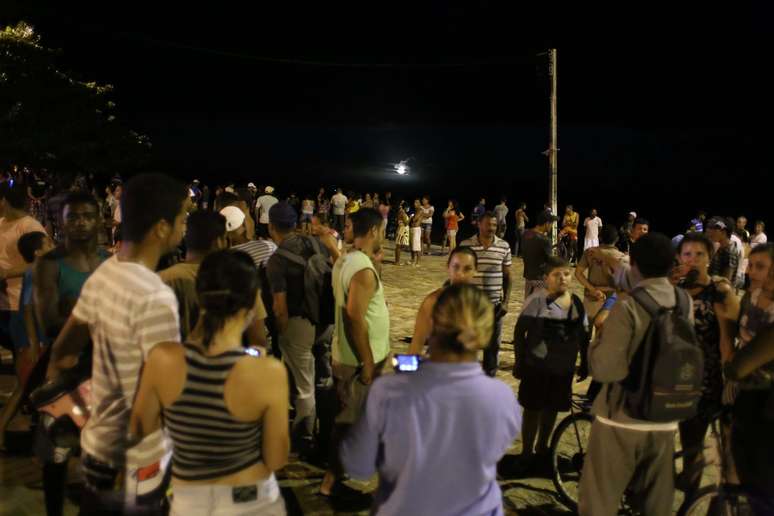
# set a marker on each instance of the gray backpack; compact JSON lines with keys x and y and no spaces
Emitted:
{"x":666,"y":374}
{"x":318,"y":287}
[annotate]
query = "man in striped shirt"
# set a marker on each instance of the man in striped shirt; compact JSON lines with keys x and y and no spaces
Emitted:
{"x":126,"y":310}
{"x":493,"y":277}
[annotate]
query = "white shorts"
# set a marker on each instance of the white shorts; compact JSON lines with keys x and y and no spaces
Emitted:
{"x":416,"y":239}
{"x":590,"y":242}
{"x":262,"y":497}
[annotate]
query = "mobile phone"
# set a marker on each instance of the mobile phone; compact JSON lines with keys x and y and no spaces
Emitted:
{"x":406,"y":363}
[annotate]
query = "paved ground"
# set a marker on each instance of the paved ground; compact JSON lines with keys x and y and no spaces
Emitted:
{"x":405,"y":287}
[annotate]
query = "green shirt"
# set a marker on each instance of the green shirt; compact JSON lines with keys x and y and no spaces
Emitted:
{"x":377,"y":316}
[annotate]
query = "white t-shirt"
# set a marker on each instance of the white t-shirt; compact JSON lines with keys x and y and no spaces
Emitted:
{"x":339,"y":203}
{"x":128,"y":310}
{"x":757,"y":240}
{"x":592,"y":228}
{"x":264,"y":203}
{"x":427,"y":214}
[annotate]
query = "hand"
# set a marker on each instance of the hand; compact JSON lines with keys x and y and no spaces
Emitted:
{"x":366,"y":374}
{"x":501,"y":311}
{"x":598,"y":294}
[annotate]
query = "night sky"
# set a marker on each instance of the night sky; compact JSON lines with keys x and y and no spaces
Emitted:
{"x":661,"y":110}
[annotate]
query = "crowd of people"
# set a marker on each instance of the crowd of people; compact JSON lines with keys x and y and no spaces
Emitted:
{"x":221,"y":332}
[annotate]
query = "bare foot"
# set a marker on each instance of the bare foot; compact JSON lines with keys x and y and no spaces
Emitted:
{"x":328,"y":481}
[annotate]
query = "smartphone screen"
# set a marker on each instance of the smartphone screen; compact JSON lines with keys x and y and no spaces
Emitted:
{"x":406,"y":363}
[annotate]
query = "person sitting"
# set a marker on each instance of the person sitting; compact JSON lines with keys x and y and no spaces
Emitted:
{"x":445,"y":426}
{"x":212,"y":387}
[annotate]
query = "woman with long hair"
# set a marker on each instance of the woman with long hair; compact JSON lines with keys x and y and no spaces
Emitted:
{"x":225,"y":407}
{"x":435,"y":435}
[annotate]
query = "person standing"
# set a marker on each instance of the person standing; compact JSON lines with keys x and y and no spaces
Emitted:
{"x":592,"y":225}
{"x":362,"y":329}
{"x":416,"y":233}
{"x":570,"y":228}
{"x":725,"y":260}
{"x":478,"y":211}
{"x":126,"y":310}
{"x":339,"y":207}
{"x":600,"y":282}
{"x":453,"y":217}
{"x":536,"y":249}
{"x":521,"y":224}
{"x":758,"y":237}
{"x":307,"y":211}
{"x":427,"y":211}
{"x":493,"y":276}
{"x":402,"y":236}
{"x":262,"y":207}
{"x":501,"y":213}
{"x":384,"y":211}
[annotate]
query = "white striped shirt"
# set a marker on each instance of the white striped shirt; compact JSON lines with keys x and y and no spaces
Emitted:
{"x":491,"y":260}
{"x":129,"y":310}
{"x":259,"y":250}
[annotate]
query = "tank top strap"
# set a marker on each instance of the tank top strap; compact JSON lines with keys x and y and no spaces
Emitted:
{"x":213,"y":369}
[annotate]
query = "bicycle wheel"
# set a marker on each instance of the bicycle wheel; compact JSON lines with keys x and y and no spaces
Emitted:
{"x":714,"y":501}
{"x":568,"y":449}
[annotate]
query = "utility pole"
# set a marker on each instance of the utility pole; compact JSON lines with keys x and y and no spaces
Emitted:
{"x":552,"y":148}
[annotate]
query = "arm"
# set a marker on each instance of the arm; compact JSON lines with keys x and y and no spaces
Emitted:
{"x":70,"y":342}
{"x":32,"y":332}
{"x":276,"y":440}
{"x":146,"y":411}
{"x":580,"y":275}
{"x":280,"y":307}
{"x":507,"y":283}
{"x":360,"y":448}
{"x":361,"y":288}
{"x":423,"y":325}
{"x":608,"y":355}
{"x":13,"y":272}
{"x":460,"y":217}
{"x":45,"y":286}
{"x":520,"y":342}
{"x":758,"y":352}
{"x":256,"y":334}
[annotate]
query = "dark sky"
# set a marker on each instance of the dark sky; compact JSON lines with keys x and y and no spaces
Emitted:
{"x":661,"y":109}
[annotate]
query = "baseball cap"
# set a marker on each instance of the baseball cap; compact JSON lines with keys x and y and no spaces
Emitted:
{"x":250,"y":185}
{"x":544,"y":217}
{"x":633,"y":214}
{"x":269,"y":189}
{"x":195,"y":181}
{"x":717,"y":223}
{"x":282,"y":214}
{"x":234,"y":217}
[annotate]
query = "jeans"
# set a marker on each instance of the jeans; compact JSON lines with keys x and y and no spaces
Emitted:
{"x":338,"y":224}
{"x":518,"y":234}
{"x":296,"y":343}
{"x":491,"y":352}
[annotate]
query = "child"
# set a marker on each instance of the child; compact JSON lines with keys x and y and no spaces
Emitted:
{"x":24,"y":329}
{"x":551,"y":329}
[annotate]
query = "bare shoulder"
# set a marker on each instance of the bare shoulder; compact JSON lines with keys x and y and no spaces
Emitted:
{"x":166,"y":354}
{"x":258,"y":370}
{"x":431,"y":299}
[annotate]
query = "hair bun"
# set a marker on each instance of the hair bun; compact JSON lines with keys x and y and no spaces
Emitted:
{"x":469,"y":339}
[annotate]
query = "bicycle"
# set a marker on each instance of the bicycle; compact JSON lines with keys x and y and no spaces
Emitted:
{"x":568,"y":449}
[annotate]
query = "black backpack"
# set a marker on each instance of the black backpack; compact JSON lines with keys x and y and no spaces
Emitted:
{"x":318,"y":286}
{"x":666,"y":374}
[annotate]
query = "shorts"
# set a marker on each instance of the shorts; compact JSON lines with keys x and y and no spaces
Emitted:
{"x":305,"y":217}
{"x":263,"y":497}
{"x":540,"y":390}
{"x":350,"y":392}
{"x":451,"y":232}
{"x":427,"y":228}
{"x":416,"y":240}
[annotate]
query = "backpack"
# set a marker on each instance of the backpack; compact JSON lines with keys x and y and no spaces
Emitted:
{"x":666,"y":374}
{"x":553,"y":345}
{"x":318,"y":286}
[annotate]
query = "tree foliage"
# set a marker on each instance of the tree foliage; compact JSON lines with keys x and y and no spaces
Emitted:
{"x":51,"y":120}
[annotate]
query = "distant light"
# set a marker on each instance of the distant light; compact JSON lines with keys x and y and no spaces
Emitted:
{"x":401,"y":168}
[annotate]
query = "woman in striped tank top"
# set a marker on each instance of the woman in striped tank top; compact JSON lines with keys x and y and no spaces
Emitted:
{"x":226,"y":408}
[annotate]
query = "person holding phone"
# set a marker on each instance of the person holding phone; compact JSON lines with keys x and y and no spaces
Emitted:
{"x":444,"y":426}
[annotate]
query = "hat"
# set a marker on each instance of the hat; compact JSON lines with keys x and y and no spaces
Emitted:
{"x":234,"y":217}
{"x":229,"y":189}
{"x":282,"y":214}
{"x":717,"y":223}
{"x":269,"y":189}
{"x":544,"y":217}
{"x":251,"y":185}
{"x":196,"y":181}
{"x":633,"y":214}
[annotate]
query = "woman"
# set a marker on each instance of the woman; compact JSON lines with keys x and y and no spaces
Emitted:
{"x":710,"y":297}
{"x":416,"y":233}
{"x":461,"y":267}
{"x":435,"y":435}
{"x":402,"y":233}
{"x":368,"y":202}
{"x":210,"y":388}
{"x":453,"y":217}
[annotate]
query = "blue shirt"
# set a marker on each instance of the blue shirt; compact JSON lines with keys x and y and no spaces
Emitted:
{"x":435,"y":437}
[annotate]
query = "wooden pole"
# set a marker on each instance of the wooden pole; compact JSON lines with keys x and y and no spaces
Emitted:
{"x":552,"y":149}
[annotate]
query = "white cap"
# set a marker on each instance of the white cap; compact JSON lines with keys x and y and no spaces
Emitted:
{"x":229,"y":189}
{"x":269,"y":189}
{"x":633,"y":214}
{"x":250,"y":185}
{"x":234,"y":217}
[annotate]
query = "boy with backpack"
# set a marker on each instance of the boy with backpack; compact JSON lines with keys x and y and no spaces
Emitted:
{"x":651,"y":366}
{"x":551,"y":329}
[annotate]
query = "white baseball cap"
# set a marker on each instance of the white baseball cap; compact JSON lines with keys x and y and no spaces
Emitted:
{"x":269,"y":189}
{"x":633,"y":214}
{"x":234,"y":217}
{"x":250,"y":185}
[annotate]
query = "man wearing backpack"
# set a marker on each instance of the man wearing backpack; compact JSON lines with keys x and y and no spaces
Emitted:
{"x":298,"y":262}
{"x":651,"y":366}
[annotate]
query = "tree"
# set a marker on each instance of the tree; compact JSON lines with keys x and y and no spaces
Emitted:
{"x":51,"y":120}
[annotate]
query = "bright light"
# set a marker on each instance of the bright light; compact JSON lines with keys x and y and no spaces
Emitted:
{"x":401,"y":168}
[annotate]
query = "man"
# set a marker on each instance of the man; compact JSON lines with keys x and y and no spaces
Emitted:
{"x":626,"y":232}
{"x":362,"y":329}
{"x":521,"y":224}
{"x":640,"y":227}
{"x":493,"y":276}
{"x":295,"y":326}
{"x":427,"y":222}
{"x":14,"y":222}
{"x":236,"y":233}
{"x":592,"y":225}
{"x":600,"y":282}
{"x":759,"y":237}
{"x":741,"y":229}
{"x":126,"y":310}
{"x":339,"y":206}
{"x":57,"y":281}
{"x":501,"y":212}
{"x":725,"y":261}
{"x":262,"y":207}
{"x":570,"y":227}
{"x":624,"y":451}
{"x":206,"y":233}
{"x":536,"y":248}
{"x":478,"y":212}
{"x":697,"y":223}
{"x":741,"y":239}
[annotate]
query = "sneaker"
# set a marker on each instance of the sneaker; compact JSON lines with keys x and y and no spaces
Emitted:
{"x":344,"y":498}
